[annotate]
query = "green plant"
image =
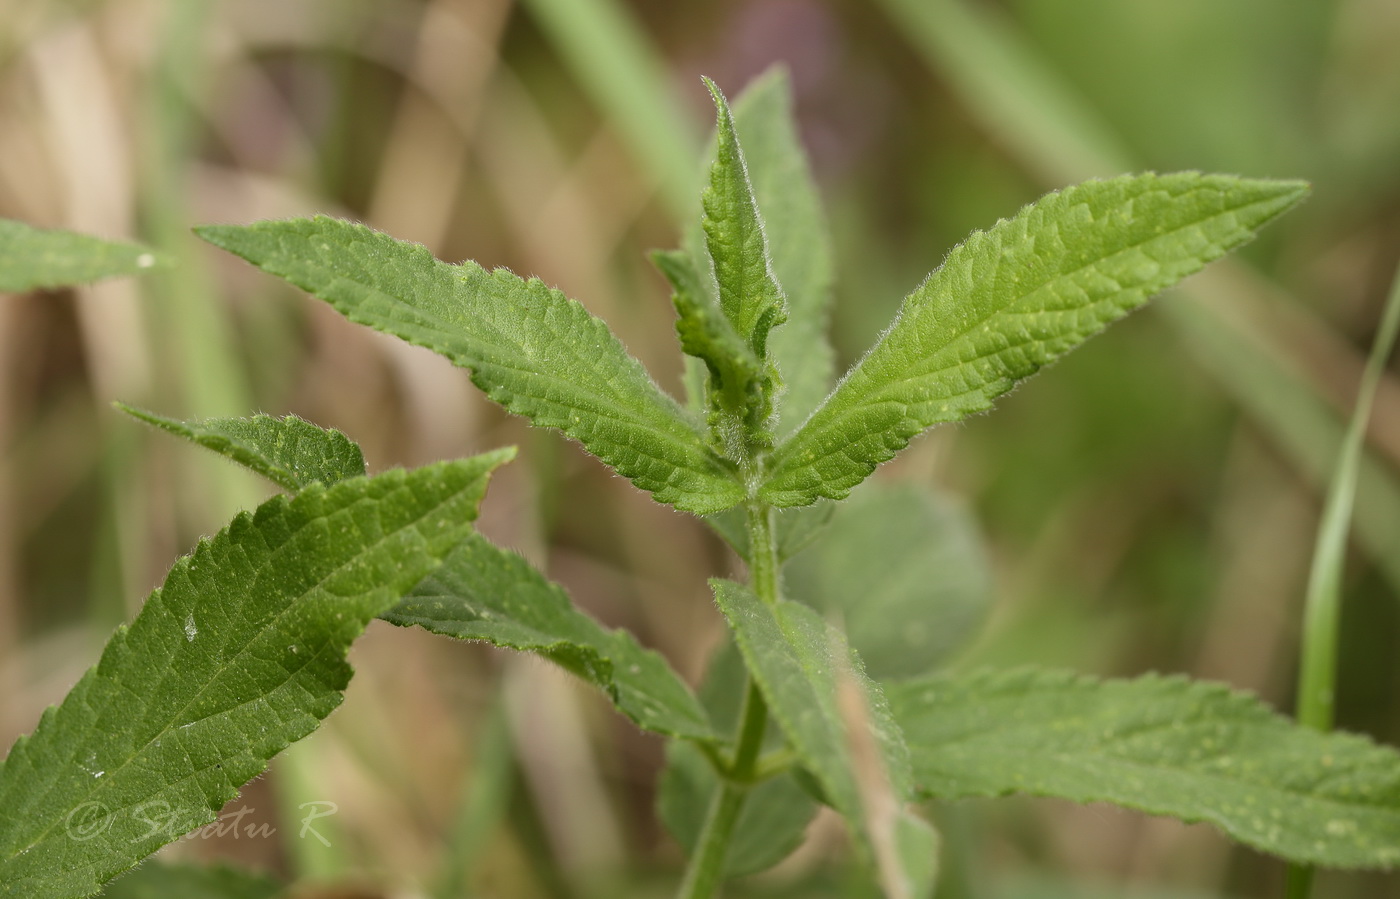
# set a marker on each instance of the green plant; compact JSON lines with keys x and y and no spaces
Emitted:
{"x":242,"y":650}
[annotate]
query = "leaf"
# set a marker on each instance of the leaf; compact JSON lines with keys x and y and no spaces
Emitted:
{"x":1163,"y":745}
{"x":482,"y":592}
{"x":240,"y":653}
{"x":155,"y":880}
{"x":903,"y":569}
{"x":737,"y":378}
{"x":291,"y":452}
{"x":774,"y":818}
{"x":1012,"y":299}
{"x":799,"y":246}
{"x":799,"y":664}
{"x":749,"y":295}
{"x":34,"y":257}
{"x":531,"y":349}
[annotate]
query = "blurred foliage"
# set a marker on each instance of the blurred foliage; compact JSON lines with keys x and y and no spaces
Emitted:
{"x":1137,"y":516}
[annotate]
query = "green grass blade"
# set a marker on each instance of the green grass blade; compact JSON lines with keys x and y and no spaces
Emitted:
{"x":1162,"y":745}
{"x":533,"y":350}
{"x":290,"y":451}
{"x":1322,"y":611}
{"x":1012,"y":299}
{"x":482,"y":592}
{"x":33,"y":258}
{"x":240,"y":653}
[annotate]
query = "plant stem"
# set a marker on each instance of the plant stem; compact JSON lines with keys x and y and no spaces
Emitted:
{"x":706,"y":868}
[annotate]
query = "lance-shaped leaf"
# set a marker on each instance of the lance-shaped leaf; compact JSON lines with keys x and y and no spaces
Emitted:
{"x":903,"y":569}
{"x":34,"y":257}
{"x":532,"y":349}
{"x":291,"y":452}
{"x":482,"y":592}
{"x":1163,"y":745}
{"x":799,"y":246}
{"x":1012,"y":299}
{"x":749,"y":294}
{"x":238,"y":654}
{"x":838,"y":723}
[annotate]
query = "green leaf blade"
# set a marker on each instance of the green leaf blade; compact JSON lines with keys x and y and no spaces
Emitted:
{"x":903,"y":568}
{"x":290,"y":451}
{"x":529,"y":347}
{"x":799,"y":245}
{"x":1012,"y":299}
{"x":240,"y":653}
{"x":749,"y":294}
{"x":482,"y":592}
{"x":1162,"y":745}
{"x":38,"y":258}
{"x":799,"y":663}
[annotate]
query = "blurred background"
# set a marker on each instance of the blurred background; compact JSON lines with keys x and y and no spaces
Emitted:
{"x":1149,"y":504}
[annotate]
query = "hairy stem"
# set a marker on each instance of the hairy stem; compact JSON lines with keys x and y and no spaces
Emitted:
{"x":706,"y":868}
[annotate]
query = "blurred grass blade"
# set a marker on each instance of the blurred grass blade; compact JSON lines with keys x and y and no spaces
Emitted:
{"x":618,"y":67}
{"x":1012,"y":299}
{"x":38,"y":258}
{"x":1274,"y":393}
{"x":240,"y":653}
{"x":1022,"y":99}
{"x":1323,"y":609}
{"x":483,"y":592}
{"x":1162,"y":745}
{"x":994,"y":69}
{"x":290,"y":451}
{"x":1317,"y":681}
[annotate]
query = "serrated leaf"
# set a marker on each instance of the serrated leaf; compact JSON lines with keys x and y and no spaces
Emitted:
{"x":1163,"y":745}
{"x":749,"y":294}
{"x":799,"y":246}
{"x":903,"y":569}
{"x":775,"y":815}
{"x":1012,"y":299}
{"x":737,"y":378}
{"x":532,"y":349}
{"x":240,"y":653}
{"x":798,"y":662}
{"x":35,"y":257}
{"x":483,"y":592}
{"x":154,"y":880}
{"x":290,"y":451}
